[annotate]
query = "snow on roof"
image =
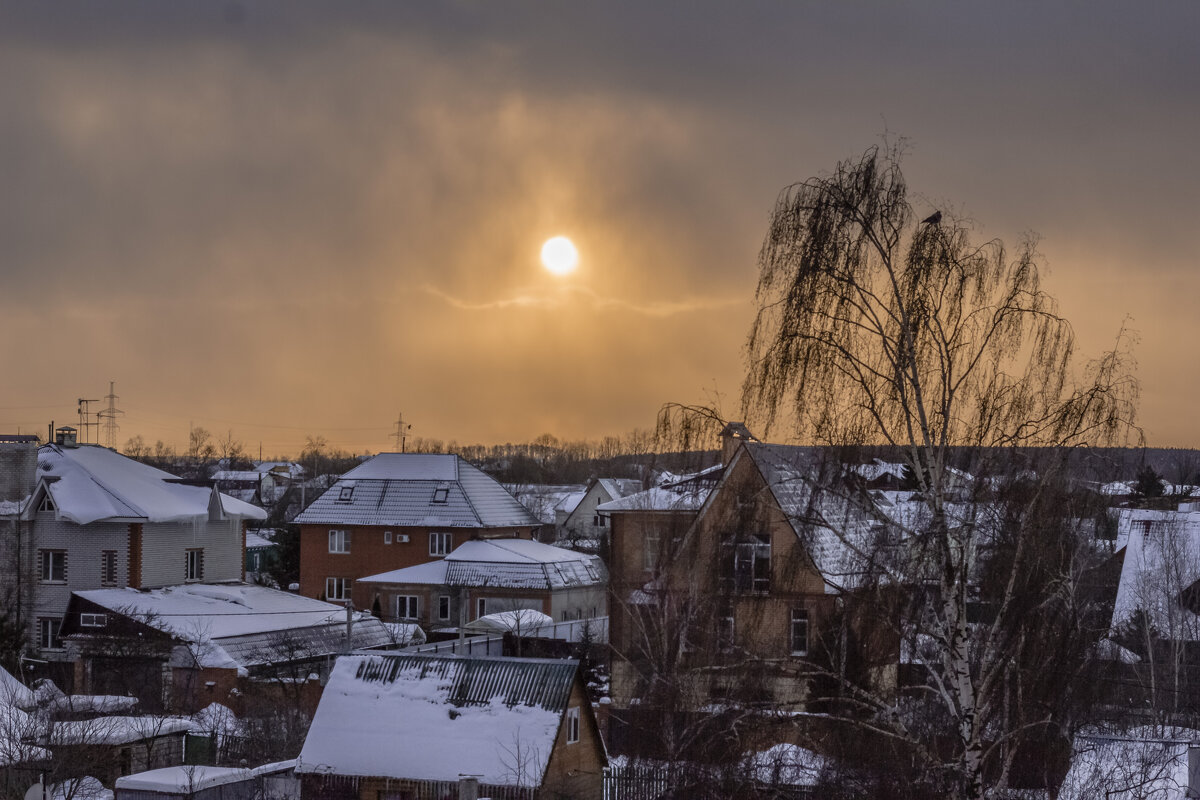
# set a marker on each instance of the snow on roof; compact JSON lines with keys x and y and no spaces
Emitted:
{"x":438,"y":717}
{"x":16,"y":730}
{"x":660,"y":498}
{"x":511,"y":563}
{"x":115,"y":730}
{"x":524,"y":620}
{"x":542,"y":500}
{"x":253,"y":540}
{"x":237,"y":475}
{"x":85,"y":788}
{"x":1127,"y":768}
{"x":184,"y":779}
{"x":418,"y":490}
{"x":92,"y":703}
{"x":620,"y":487}
{"x":570,"y":501}
{"x":15,"y":693}
{"x":90,"y":483}
{"x":1162,"y":559}
{"x":786,"y":764}
{"x":231,"y":626}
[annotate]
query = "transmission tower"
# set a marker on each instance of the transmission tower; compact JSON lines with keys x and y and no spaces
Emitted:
{"x":109,"y":416}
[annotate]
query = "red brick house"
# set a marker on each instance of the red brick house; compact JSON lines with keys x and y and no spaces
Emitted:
{"x":398,"y":510}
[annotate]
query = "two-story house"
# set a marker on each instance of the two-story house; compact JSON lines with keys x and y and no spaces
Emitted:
{"x":399,"y":510}
{"x":101,"y":520}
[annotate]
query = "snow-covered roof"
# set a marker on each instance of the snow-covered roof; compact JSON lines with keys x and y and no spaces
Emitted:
{"x":620,"y":487}
{"x":253,"y":540}
{"x":438,"y":717}
{"x":237,"y":475}
{"x":15,"y":693}
{"x":92,"y":703}
{"x":1128,"y":768}
{"x":17,"y":729}
{"x":570,"y":501}
{"x":510,"y":563}
{"x":520,"y":620}
{"x":418,"y":490}
{"x":1162,"y":559}
{"x":786,"y":765}
{"x":237,"y":625}
{"x":659,"y":498}
{"x":115,"y":730}
{"x":184,"y":779}
{"x":91,"y":483}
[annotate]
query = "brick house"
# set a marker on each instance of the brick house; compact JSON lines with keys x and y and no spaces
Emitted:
{"x":734,"y":572}
{"x":412,"y":726}
{"x":487,"y":576}
{"x":398,"y":510}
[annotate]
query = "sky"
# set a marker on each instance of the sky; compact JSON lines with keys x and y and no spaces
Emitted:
{"x":281,"y":220}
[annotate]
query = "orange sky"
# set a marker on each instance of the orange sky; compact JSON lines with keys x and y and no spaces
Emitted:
{"x":290,"y":219}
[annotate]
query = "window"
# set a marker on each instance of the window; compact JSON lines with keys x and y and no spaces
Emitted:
{"x":339,"y":541}
{"x":47,"y":504}
{"x":407,"y":606}
{"x":650,"y":548}
{"x":444,"y":607}
{"x":725,"y":629}
{"x":387,"y":537}
{"x":345,"y":494}
{"x":441,"y":494}
{"x":53,"y":566}
{"x":799,"y":632}
{"x":47,"y":631}
{"x":108,"y":567}
{"x":337,"y":588}
{"x":439,"y":544}
{"x":93,"y":620}
{"x":748,"y":565}
{"x":194,"y":565}
{"x":572,"y":725}
{"x":480,"y":608}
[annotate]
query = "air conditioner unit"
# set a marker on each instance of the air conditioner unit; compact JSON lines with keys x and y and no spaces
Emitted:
{"x":402,"y":538}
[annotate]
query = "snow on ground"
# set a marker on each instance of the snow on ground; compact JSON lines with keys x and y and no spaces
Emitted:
{"x":86,"y":788}
{"x":1128,"y":767}
{"x":787,"y":764}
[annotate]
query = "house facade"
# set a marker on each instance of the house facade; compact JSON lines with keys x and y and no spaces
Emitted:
{"x":413,"y":726}
{"x":399,"y":510}
{"x":583,"y":526}
{"x":96,"y":519}
{"x":486,"y":576}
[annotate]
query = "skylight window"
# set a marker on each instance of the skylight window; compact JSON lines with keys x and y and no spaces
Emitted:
{"x":441,"y":494}
{"x":346,"y":494}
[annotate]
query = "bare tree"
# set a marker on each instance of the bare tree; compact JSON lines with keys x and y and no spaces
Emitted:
{"x":875,"y":330}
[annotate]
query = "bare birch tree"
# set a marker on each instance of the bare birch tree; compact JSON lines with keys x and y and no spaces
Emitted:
{"x":874,"y":329}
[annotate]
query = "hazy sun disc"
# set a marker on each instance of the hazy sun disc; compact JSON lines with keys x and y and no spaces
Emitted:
{"x":559,"y":255}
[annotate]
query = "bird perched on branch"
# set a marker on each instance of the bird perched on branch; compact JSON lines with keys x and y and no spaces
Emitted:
{"x":932,"y":219}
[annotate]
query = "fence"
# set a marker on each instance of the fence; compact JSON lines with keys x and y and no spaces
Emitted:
{"x":576,"y":630}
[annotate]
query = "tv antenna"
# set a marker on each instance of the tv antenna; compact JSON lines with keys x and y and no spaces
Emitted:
{"x":85,"y":417}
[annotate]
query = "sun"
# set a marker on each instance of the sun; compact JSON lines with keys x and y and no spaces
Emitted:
{"x":559,"y":255}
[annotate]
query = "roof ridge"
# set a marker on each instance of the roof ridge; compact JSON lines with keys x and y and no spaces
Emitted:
{"x":467,"y":495}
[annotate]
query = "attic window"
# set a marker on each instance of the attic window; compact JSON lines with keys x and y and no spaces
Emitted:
{"x":47,"y":504}
{"x":346,"y":494}
{"x":441,"y":494}
{"x":93,"y":620}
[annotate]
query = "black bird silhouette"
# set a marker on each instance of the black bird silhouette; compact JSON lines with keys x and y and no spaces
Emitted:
{"x":932,"y":219}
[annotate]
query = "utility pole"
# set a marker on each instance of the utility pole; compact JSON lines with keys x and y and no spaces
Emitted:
{"x":349,"y":625}
{"x":401,"y":432}
{"x":85,"y":416}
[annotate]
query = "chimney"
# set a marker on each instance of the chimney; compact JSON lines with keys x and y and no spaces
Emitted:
{"x":732,"y":435}
{"x":468,"y":787}
{"x":66,"y":436}
{"x":18,"y":466}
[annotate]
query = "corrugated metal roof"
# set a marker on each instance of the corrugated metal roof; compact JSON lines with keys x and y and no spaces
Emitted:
{"x":418,"y":490}
{"x":474,"y":680}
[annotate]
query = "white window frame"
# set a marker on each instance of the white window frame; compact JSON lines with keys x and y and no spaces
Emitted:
{"x":573,"y":725}
{"x":338,"y":588}
{"x":93,"y":620}
{"x":46,"y":567}
{"x":407,"y":606}
{"x":441,"y":543}
{"x":444,"y":603}
{"x":799,"y":616}
{"x":339,"y":541}
{"x":651,"y":545}
{"x":193,"y":565}
{"x":387,"y":537}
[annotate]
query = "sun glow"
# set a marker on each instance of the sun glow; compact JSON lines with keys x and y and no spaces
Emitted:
{"x":559,"y":255}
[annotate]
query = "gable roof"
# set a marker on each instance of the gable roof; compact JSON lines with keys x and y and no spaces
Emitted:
{"x":92,"y":483}
{"x":1160,"y":563}
{"x":436,"y":717}
{"x":418,"y":490}
{"x":236,"y":624}
{"x":508,"y":563}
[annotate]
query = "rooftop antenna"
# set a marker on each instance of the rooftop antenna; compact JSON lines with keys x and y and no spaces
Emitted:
{"x":109,"y":415}
{"x":401,"y":432}
{"x":85,"y":417}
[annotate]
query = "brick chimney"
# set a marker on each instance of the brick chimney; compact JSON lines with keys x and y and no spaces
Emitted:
{"x":18,"y":466}
{"x":732,"y":435}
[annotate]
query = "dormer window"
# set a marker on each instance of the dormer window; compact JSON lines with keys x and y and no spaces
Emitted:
{"x":47,"y":504}
{"x":441,"y":494}
{"x":346,"y":494}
